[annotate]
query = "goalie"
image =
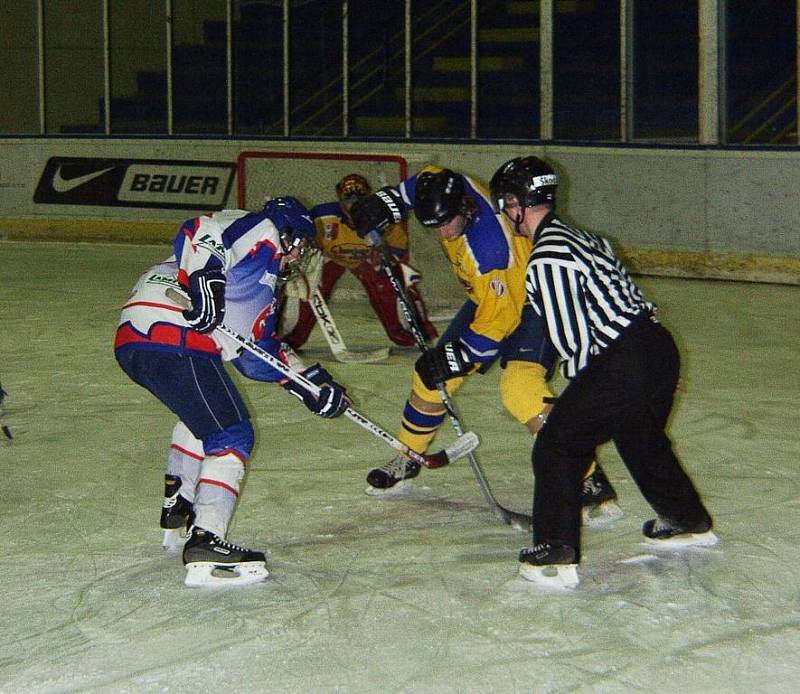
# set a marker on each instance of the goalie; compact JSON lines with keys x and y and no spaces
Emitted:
{"x":342,"y":250}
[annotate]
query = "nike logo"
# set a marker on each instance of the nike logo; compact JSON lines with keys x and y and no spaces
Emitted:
{"x":64,"y":185}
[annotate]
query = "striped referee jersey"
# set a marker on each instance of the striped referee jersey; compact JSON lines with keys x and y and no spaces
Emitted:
{"x":584,"y":293}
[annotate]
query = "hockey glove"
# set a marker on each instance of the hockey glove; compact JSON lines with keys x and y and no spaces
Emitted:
{"x":332,"y":400}
{"x":442,"y":363}
{"x":377,"y":212}
{"x":207,"y":292}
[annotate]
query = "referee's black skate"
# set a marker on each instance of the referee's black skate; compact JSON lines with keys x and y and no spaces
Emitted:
{"x":599,"y":499}
{"x":392,"y":477}
{"x":662,"y":532}
{"x":550,"y":566}
{"x":177,"y":514}
{"x":212,"y":561}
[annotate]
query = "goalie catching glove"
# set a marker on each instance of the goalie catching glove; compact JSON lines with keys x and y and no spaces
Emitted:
{"x":442,"y":363}
{"x":377,"y":212}
{"x":207,"y":292}
{"x":332,"y":399}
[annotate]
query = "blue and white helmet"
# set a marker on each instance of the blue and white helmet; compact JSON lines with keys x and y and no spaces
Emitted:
{"x":296,"y":231}
{"x":293,"y":222}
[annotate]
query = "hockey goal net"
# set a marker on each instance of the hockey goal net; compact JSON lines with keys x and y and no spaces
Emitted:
{"x":310,"y":176}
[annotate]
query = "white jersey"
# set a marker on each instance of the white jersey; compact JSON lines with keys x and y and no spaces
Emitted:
{"x":244,"y":246}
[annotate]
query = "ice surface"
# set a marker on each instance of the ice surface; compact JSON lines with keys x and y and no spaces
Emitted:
{"x":415,"y":594}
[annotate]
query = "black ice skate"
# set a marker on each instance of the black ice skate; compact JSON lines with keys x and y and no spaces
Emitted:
{"x":550,"y":566}
{"x":393,"y":476}
{"x":598,"y":499}
{"x":177,"y":514}
{"x":212,"y":561}
{"x":662,"y":532}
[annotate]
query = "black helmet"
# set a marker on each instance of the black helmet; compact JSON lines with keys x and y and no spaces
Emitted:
{"x":439,"y":197}
{"x":529,"y":179}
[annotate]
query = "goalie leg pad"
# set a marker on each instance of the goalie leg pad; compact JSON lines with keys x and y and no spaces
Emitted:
{"x":331,"y":272}
{"x":384,"y":302}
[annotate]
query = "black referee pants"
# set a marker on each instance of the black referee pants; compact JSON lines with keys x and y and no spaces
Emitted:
{"x":625,"y":395}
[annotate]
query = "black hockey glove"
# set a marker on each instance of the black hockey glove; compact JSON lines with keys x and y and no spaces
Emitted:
{"x":377,"y":212}
{"x":442,"y":363}
{"x":207,"y":292}
{"x":332,"y":400}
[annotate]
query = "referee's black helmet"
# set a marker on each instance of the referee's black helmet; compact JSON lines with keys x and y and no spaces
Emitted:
{"x":439,"y":197}
{"x":529,"y":179}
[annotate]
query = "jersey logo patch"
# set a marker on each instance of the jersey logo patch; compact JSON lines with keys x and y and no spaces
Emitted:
{"x":498,"y":287}
{"x":331,"y":231}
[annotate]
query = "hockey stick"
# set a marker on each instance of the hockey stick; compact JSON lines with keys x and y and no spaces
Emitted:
{"x":334,"y":337}
{"x":463,"y":445}
{"x":520,"y":521}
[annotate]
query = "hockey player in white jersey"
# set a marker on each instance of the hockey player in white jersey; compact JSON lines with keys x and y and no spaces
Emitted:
{"x":229,"y":264}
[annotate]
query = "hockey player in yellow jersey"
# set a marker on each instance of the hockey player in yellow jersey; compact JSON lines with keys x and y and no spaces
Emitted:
{"x":343,"y":249}
{"x":494,"y":323}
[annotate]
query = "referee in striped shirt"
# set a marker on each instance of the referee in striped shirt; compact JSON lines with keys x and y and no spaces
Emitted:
{"x":622,"y":366}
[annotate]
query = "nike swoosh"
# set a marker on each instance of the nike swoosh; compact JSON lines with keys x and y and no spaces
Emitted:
{"x":63,"y":185}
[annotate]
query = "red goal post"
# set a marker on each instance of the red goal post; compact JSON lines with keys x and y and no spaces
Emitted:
{"x":309,"y":176}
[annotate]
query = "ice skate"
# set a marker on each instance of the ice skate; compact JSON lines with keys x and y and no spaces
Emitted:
{"x":211,"y":561}
{"x":177,"y":514}
{"x":598,"y":499}
{"x":550,"y":566}
{"x":393,"y":477}
{"x":664,"y":533}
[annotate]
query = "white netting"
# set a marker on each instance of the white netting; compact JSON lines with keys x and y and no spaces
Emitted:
{"x":310,"y":177}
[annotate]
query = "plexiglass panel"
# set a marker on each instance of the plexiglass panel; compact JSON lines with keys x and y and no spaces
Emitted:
{"x":138,"y":66}
{"x":762,"y":72}
{"x":508,"y":69}
{"x":315,"y":68}
{"x":586,"y":59}
{"x":199,"y":92}
{"x":377,"y":67}
{"x":665,"y":71}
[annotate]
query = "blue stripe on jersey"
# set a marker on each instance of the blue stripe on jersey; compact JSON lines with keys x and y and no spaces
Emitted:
{"x":240,"y":227}
{"x":326,"y":209}
{"x":479,"y":347}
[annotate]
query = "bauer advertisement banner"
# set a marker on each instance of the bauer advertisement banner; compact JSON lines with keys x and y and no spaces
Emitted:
{"x":135,"y":183}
